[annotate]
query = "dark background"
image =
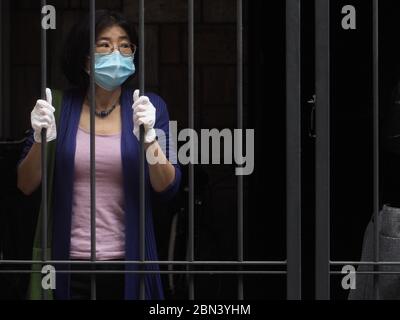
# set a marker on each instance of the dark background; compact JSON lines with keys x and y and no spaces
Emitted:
{"x":351,"y":128}
{"x":265,"y":224}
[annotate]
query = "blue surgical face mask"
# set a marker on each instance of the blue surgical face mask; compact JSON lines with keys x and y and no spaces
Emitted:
{"x":112,"y":70}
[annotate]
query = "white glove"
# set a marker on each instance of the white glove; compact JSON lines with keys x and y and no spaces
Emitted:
{"x":143,"y":113}
{"x":42,"y":116}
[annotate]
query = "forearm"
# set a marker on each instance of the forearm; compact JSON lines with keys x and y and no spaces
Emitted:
{"x":162,"y":172}
{"x":29,"y":172}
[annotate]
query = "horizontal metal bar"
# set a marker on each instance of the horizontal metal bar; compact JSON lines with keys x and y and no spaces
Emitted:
{"x":338,"y":263}
{"x":249,"y":263}
{"x":368,"y":272}
{"x":13,"y":141}
{"x":154,"y":271}
{"x":259,"y":263}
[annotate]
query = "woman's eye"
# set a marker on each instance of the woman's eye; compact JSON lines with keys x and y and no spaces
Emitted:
{"x":124,"y":45}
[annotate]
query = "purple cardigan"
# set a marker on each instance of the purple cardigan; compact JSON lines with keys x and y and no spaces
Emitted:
{"x":63,"y":191}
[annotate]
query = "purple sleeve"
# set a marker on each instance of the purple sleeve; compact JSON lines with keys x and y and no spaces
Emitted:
{"x":26,"y":146}
{"x":162,"y":123}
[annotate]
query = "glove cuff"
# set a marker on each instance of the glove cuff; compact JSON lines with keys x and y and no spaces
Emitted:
{"x":37,"y":136}
{"x":150,"y":136}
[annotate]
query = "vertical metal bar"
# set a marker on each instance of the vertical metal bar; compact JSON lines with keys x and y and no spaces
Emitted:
{"x":5,"y":38}
{"x":322,"y":86}
{"x":239,"y":79}
{"x":142,"y":195}
{"x":43,"y":43}
{"x":191,"y":125}
{"x":92,"y":147}
{"x":293,"y":150}
{"x":2,"y":111}
{"x":376,"y":139}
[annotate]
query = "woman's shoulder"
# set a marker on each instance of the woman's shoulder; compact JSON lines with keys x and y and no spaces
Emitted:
{"x":71,"y":91}
{"x":156,"y":100}
{"x":60,"y":94}
{"x":154,"y":96}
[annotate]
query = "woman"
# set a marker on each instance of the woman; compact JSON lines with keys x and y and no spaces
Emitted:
{"x":119,"y":113}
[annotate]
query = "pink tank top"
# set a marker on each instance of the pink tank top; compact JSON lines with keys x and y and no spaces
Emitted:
{"x":110,"y":228}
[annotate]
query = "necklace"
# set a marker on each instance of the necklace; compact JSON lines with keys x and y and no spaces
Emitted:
{"x":104,"y":113}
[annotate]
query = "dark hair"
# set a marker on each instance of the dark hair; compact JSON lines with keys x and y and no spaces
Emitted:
{"x":77,"y":44}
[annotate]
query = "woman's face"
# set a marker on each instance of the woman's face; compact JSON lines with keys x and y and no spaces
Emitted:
{"x":111,"y":38}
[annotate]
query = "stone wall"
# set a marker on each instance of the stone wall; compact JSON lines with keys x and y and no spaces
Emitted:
{"x":215,"y":57}
{"x":166,"y":54}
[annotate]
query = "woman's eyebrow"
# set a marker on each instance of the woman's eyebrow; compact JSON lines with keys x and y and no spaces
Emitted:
{"x":119,"y":38}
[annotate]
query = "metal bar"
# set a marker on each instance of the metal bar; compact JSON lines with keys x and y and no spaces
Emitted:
{"x":367,"y":272}
{"x":5,"y":72}
{"x":92,"y":147}
{"x":293,"y":150}
{"x":12,"y":142}
{"x":383,"y":263}
{"x":43,"y":82}
{"x":110,"y":262}
{"x":144,"y":272}
{"x":142,"y":195}
{"x":322,"y":86}
{"x":239,"y":79}
{"x":376,"y":140}
{"x":2,"y":111}
{"x":175,"y":262}
{"x":191,"y":125}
